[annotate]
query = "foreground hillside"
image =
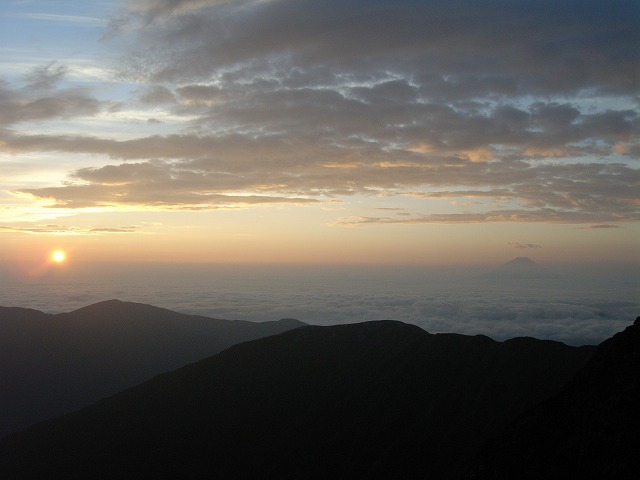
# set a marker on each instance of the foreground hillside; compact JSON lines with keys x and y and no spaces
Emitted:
{"x":381,"y":399}
{"x":54,"y":364}
{"x":590,"y":430}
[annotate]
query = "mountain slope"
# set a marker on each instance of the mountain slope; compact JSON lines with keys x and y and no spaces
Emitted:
{"x":54,"y":364}
{"x":376,"y":398}
{"x":590,"y":430}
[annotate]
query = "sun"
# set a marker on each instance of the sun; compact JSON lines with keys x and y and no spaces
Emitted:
{"x":58,"y":256}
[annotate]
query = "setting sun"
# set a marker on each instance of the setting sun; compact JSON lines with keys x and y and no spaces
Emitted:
{"x":58,"y":256}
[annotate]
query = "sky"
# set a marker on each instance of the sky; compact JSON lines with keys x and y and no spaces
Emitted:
{"x":319,"y":132}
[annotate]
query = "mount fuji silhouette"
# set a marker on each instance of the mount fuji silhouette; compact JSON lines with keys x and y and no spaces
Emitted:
{"x":521,"y":268}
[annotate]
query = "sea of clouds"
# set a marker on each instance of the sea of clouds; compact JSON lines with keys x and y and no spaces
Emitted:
{"x":578,"y":308}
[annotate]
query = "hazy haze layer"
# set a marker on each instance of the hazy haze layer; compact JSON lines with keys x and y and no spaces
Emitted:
{"x":581,"y":306}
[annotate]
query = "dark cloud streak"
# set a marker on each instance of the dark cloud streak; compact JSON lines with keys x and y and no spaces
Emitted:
{"x":544,"y":47}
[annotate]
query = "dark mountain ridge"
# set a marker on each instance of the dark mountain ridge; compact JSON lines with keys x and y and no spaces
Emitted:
{"x":590,"y":430}
{"x":54,"y":364}
{"x":374,"y":399}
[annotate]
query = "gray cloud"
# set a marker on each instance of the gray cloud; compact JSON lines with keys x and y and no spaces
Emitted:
{"x":46,"y":76}
{"x":521,"y":245}
{"x":601,"y":226}
{"x":62,"y":104}
{"x":129,"y":229}
{"x":40,"y":98}
{"x":157,"y":95}
{"x":67,"y":229}
{"x":205,"y":170}
{"x":544,"y":215}
{"x":542,"y":47}
{"x":155,"y":185}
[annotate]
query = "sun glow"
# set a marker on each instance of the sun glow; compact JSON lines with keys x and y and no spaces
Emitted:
{"x":58,"y":256}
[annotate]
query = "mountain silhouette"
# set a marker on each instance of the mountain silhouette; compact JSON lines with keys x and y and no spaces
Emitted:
{"x":520,"y":268}
{"x":54,"y":364}
{"x":374,"y":399}
{"x":590,"y":430}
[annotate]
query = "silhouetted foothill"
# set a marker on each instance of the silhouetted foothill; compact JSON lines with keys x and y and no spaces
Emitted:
{"x":591,"y":429}
{"x":55,"y":364}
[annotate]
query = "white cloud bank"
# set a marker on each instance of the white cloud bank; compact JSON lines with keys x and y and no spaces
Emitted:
{"x":577,"y":309}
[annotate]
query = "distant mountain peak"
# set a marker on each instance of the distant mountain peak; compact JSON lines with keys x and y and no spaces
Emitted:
{"x":521,"y":268}
{"x":521,"y":261}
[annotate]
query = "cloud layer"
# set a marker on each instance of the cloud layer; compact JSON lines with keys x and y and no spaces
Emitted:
{"x":514,"y":112}
{"x":577,"y":308}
